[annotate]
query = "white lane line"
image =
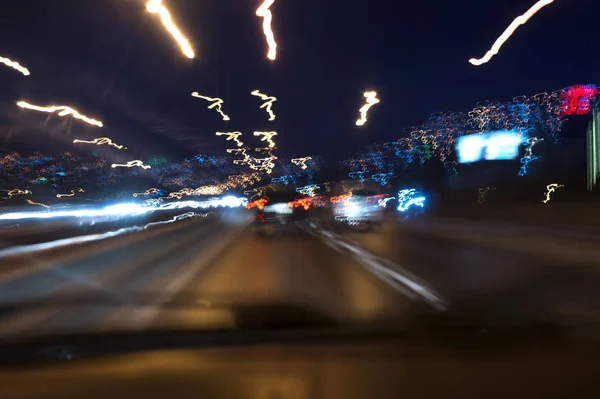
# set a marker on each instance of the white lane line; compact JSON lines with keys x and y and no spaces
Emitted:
{"x":391,"y":273}
{"x":144,"y":317}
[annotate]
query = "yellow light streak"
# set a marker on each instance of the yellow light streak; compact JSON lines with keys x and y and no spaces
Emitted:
{"x":520,"y":20}
{"x":100,"y":141}
{"x":179,"y":194}
{"x":371,"y":99}
{"x":155,"y":7}
{"x":131,"y":164}
{"x":267,"y":136}
{"x":63,"y":111}
{"x":37,"y":203}
{"x":216,"y":103}
{"x":265,"y":13}
{"x":232,"y":136}
{"x":17,"y":191}
{"x":15,"y":65}
{"x":301,"y":162}
{"x":72,"y":194}
{"x":268,"y":103}
{"x":550,"y":189}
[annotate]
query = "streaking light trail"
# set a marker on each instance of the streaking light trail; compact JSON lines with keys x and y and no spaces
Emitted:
{"x":63,"y":111}
{"x":371,"y":99}
{"x":301,"y":162}
{"x":216,"y":103}
{"x":408,"y":198}
{"x":15,"y":65}
{"x":267,"y":136}
{"x":127,"y":209}
{"x":520,"y":20}
{"x":100,"y":141}
{"x":17,"y":191}
{"x":232,"y":136}
{"x":265,"y":13}
{"x":131,"y":164}
{"x":550,"y":189}
{"x":155,"y":6}
{"x":72,"y":194}
{"x":150,"y":191}
{"x":36,"y":203}
{"x":268,"y":103}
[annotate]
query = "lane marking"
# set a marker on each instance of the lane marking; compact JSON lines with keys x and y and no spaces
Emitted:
{"x":391,"y":273}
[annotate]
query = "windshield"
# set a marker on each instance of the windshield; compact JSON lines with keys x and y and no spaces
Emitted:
{"x":423,"y":157}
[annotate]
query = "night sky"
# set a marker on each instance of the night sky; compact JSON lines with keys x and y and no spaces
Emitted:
{"x":112,"y":60}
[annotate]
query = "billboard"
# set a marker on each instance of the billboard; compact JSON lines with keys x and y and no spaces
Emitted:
{"x":490,"y":146}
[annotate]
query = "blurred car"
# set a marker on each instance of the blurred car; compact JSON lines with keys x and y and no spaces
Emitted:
{"x":277,"y":212}
{"x":360,"y":210}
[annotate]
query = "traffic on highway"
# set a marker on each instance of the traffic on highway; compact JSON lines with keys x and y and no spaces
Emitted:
{"x":310,"y":199}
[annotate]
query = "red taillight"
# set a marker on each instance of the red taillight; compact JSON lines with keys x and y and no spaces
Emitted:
{"x":261,"y":217}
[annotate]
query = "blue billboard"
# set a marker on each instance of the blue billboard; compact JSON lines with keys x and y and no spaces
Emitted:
{"x":490,"y":146}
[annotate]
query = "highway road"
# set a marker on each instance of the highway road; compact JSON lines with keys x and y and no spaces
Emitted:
{"x":190,"y":274}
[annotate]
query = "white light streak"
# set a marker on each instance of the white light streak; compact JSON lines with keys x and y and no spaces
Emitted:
{"x":127,"y":209}
{"x":15,"y":65}
{"x":267,"y":136}
{"x":72,"y":194}
{"x":100,"y":141}
{"x":265,"y":13}
{"x":550,"y":188}
{"x":268,"y":103}
{"x":520,"y":20}
{"x":301,"y":162}
{"x":216,"y":103}
{"x":155,"y":6}
{"x":131,"y":164}
{"x":371,"y":99}
{"x":232,"y":136}
{"x":63,"y":111}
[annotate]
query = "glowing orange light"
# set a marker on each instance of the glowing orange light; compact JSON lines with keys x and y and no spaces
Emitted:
{"x":520,"y":20}
{"x":15,"y":65}
{"x":260,"y":204}
{"x":305,"y":203}
{"x":265,"y":13}
{"x":216,"y":103}
{"x":64,"y":110}
{"x":371,"y":99}
{"x":340,"y":198}
{"x":155,"y":6}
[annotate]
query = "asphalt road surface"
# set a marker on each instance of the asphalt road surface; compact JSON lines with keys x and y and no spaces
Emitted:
{"x":190,"y":273}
